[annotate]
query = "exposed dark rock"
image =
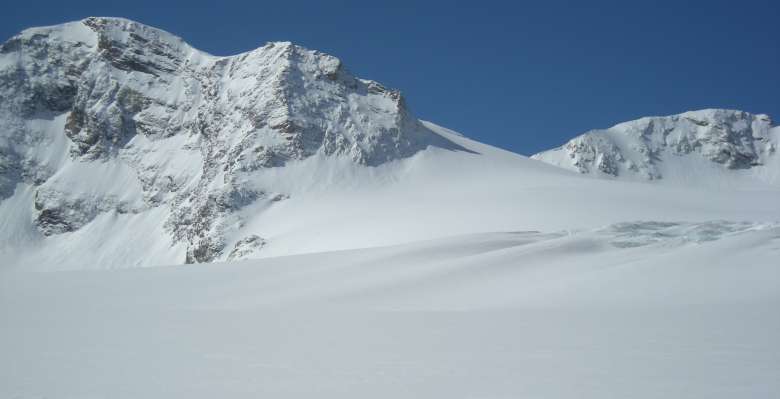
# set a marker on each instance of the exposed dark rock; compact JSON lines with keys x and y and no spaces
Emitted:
{"x":246,"y":246}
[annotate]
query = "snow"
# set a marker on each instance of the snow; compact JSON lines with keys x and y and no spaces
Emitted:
{"x":710,"y":147}
{"x":439,"y":193}
{"x":332,"y":202}
{"x":487,"y":315}
{"x":490,"y":308}
{"x":382,"y":256}
{"x":75,"y":32}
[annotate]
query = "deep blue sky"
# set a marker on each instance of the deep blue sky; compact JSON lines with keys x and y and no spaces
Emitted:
{"x":525,"y":76}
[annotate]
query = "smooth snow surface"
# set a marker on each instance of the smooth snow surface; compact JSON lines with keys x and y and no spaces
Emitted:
{"x":640,"y":310}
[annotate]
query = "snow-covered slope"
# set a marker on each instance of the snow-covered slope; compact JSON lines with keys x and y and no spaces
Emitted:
{"x":639,"y":310}
{"x":711,"y":147}
{"x":332,"y":204}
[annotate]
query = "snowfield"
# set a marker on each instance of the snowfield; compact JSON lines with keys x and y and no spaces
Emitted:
{"x":179,"y":225}
{"x":641,"y":310}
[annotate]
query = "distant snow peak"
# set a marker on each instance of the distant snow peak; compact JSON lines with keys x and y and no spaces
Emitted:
{"x":641,"y":148}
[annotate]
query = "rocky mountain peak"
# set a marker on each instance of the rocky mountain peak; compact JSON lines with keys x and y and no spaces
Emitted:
{"x":114,"y":94}
{"x":729,"y":138}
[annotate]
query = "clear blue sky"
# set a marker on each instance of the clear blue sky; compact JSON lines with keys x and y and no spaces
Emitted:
{"x":525,"y":76}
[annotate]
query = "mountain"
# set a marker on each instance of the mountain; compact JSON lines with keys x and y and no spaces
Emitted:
{"x":710,"y":147}
{"x":350,"y":250}
{"x":122,"y":146}
{"x":106,"y":115}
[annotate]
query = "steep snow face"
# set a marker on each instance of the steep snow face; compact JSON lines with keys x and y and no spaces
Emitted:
{"x":108,"y":116}
{"x":689,"y":147}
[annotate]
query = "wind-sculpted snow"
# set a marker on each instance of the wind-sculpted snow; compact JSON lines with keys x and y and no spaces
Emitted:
{"x":662,"y":147}
{"x":191,"y":128}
